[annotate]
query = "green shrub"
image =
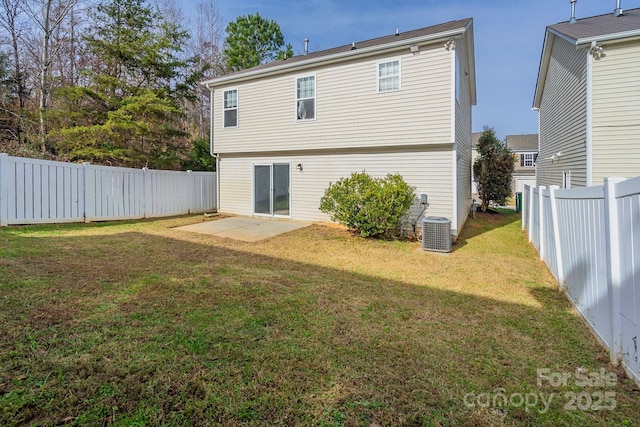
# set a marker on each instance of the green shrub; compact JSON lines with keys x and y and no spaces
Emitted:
{"x":370,"y":206}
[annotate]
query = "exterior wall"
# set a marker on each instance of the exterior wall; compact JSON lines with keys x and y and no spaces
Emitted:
{"x":563,"y":117}
{"x":461,"y":159}
{"x":616,"y":109}
{"x":428,"y":168}
{"x":349,"y":111}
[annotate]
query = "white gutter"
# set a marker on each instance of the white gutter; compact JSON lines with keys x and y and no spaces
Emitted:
{"x":334,"y":58}
{"x":211,"y":151}
{"x":602,"y":38}
{"x":609,"y":37}
{"x":589,"y":124}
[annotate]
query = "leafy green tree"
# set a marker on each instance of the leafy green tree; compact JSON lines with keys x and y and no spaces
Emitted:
{"x":129,"y":113}
{"x":493,"y":169}
{"x":253,"y":40}
{"x":369,"y":206}
{"x":199,"y":157}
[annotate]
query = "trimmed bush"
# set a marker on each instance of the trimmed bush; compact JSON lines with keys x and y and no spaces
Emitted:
{"x":369,"y":206}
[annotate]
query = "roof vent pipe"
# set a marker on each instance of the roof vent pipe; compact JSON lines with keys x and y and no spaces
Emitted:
{"x":618,"y":11}
{"x":573,"y":12}
{"x":306,"y":46}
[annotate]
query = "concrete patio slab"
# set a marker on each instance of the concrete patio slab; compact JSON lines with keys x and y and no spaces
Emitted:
{"x":245,"y":228}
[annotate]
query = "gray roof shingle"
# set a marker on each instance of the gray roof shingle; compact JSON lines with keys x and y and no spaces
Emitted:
{"x":526,"y":142}
{"x":435,"y":30}
{"x":598,"y":26}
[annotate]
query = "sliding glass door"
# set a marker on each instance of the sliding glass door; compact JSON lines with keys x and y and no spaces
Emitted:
{"x":271,"y":189}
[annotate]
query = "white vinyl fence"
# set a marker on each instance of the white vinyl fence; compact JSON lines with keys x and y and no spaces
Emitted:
{"x":38,"y":191}
{"x":590,"y":240}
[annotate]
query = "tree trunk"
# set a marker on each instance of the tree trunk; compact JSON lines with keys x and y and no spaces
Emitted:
{"x":44,"y":70}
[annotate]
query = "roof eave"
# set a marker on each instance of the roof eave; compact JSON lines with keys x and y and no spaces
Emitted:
{"x":609,"y":37}
{"x":341,"y":56}
{"x":549,"y":37}
{"x":471,"y":61}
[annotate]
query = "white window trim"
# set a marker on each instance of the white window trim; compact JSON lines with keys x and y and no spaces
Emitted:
{"x":566,"y":179}
{"x":315,"y":98}
{"x":523,"y":160}
{"x":237,"y":108}
{"x":386,"y":61}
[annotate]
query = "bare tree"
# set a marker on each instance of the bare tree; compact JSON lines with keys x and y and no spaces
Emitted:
{"x":207,"y":39}
{"x":10,"y":21}
{"x":47,"y":15}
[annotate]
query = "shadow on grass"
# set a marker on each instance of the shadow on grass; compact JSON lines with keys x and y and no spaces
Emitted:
{"x":138,"y":328}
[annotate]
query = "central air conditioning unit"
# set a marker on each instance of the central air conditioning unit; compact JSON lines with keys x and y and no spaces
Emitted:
{"x":436,"y":234}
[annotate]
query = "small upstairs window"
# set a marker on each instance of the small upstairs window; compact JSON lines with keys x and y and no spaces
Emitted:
{"x":231,"y":108}
{"x":306,"y":98}
{"x":528,"y":160}
{"x":389,"y":76}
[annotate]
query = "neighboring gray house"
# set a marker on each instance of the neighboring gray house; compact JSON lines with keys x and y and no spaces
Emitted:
{"x":525,"y":149}
{"x":283,"y":131}
{"x":588,"y":97}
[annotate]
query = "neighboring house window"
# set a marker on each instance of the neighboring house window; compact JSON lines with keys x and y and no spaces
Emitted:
{"x":306,"y":98}
{"x":231,"y":108}
{"x":389,"y":76}
{"x":528,"y":160}
{"x":566,"y":179}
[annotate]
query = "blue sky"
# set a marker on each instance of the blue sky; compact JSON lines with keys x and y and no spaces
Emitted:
{"x":508,"y":39}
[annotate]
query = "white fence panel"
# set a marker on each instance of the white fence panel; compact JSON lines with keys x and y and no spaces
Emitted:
{"x":40,"y":191}
{"x":167,"y":193}
{"x":202,"y":197}
{"x":590,"y":239}
{"x":37,"y":191}
{"x":535,"y":218}
{"x":582,"y":245}
{"x":628,"y":204}
{"x":114,"y":193}
{"x":548,"y":247}
{"x":526,"y":203}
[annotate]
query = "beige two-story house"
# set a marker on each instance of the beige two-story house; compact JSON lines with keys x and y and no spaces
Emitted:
{"x":282,"y":132}
{"x":588,"y":98}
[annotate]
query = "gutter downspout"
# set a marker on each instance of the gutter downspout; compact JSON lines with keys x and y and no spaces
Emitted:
{"x":211,"y":152}
{"x":589,"y":124}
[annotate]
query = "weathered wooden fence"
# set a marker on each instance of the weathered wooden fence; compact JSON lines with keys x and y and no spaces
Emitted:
{"x":38,"y":191}
{"x":590,"y":240}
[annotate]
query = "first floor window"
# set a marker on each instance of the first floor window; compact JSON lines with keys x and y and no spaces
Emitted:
{"x":389,"y":76}
{"x":306,"y":98}
{"x":231,"y":108}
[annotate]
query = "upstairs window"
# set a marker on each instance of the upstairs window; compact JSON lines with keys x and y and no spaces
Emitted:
{"x":306,"y":98}
{"x":389,"y":76}
{"x":528,"y":160}
{"x":231,"y":108}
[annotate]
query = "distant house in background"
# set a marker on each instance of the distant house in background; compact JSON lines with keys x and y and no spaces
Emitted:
{"x":588,"y":97}
{"x":282,"y":132}
{"x":525,"y":149}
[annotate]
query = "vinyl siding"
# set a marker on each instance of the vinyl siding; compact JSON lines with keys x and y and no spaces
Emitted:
{"x":349,"y":110}
{"x":616,"y":112}
{"x":428,"y":168}
{"x":563,"y":115}
{"x":462,"y":156}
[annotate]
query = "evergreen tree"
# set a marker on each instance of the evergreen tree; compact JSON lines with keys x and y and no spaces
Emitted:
{"x":129,"y":113}
{"x":493,"y":169}
{"x":253,"y":40}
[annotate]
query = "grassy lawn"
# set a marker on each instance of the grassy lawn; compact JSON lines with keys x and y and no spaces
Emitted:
{"x":137,"y":323}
